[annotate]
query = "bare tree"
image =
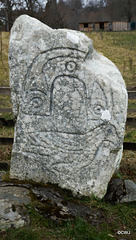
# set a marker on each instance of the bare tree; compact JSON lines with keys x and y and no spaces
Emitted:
{"x":122,"y":9}
{"x":6,"y":10}
{"x":10,"y":9}
{"x":73,"y":13}
{"x":63,"y":11}
{"x":129,"y":9}
{"x":53,"y":17}
{"x":75,"y":4}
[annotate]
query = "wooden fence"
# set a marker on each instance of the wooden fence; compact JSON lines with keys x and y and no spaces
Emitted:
{"x":10,"y":123}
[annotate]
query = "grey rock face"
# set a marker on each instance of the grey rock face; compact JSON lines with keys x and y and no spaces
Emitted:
{"x":70,"y":104}
{"x":130,"y":191}
{"x":120,"y":191}
{"x":50,"y":201}
{"x":116,"y":191}
{"x":54,"y":205}
{"x":12,"y":206}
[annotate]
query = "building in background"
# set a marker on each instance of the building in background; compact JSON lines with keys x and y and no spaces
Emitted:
{"x":106,"y":26}
{"x":104,"y":20}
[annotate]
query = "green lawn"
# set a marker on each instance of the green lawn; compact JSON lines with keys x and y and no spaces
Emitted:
{"x":120,"y":48}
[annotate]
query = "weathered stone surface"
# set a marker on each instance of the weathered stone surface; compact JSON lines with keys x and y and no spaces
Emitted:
{"x":130,"y":192}
{"x":12,"y":206}
{"x":50,"y":201}
{"x":115,"y":191}
{"x":120,"y":191}
{"x":70,"y":104}
{"x":53,"y":205}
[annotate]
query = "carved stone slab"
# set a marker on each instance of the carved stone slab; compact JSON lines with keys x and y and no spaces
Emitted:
{"x":70,"y":104}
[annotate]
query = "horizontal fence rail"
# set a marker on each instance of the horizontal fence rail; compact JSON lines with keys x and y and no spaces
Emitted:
{"x":4,"y":166}
{"x":6,"y":123}
{"x":7,"y":91}
{"x":129,"y":146}
{"x":126,"y":145}
{"x":11,"y":123}
{"x":5,"y":110}
{"x":6,"y":141}
{"x":131,"y":110}
{"x":131,"y":122}
{"x":131,"y":88}
{"x":131,"y":94}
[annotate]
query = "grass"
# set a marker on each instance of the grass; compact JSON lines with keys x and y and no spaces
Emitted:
{"x":7,"y":132}
{"x":5,"y":153}
{"x":132,"y":103}
{"x":130,"y":135}
{"x":80,"y":230}
{"x":121,"y":49}
{"x":128,"y":165}
{"x":5,"y":101}
{"x":4,"y":71}
{"x":116,"y":218}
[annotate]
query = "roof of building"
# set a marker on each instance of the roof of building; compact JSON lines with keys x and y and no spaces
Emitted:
{"x":101,"y":15}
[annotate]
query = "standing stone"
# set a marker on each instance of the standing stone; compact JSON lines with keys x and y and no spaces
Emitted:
{"x":70,"y":104}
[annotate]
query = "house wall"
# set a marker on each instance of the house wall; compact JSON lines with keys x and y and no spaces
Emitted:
{"x":108,"y":26}
{"x":120,"y":26}
{"x":97,"y":26}
{"x":85,"y":29}
{"x":81,"y":27}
